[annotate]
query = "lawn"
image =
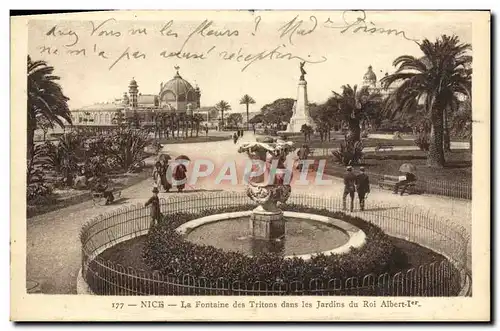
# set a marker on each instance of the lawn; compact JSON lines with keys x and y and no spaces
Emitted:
{"x":199,"y":139}
{"x":458,"y":167}
{"x":338,"y":138}
{"x":456,"y":175}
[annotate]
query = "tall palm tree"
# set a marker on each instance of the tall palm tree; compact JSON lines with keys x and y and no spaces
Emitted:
{"x":355,"y":106}
{"x":158,"y":122}
{"x":247,"y":100}
{"x":197,"y":119}
{"x":222,"y":106}
{"x":437,"y":78}
{"x":46,"y":100}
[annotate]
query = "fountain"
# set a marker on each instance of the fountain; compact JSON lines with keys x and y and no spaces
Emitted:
{"x":267,"y":221}
{"x":267,"y":228}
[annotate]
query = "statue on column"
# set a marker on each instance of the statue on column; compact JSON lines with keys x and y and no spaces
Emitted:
{"x":302,"y":71}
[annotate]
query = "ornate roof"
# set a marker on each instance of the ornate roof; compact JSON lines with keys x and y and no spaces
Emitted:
{"x":133,"y":83}
{"x":370,"y":76}
{"x":180,"y":88}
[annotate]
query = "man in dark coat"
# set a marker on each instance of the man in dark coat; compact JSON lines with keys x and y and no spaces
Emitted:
{"x":349,"y":187}
{"x":363,"y":187}
{"x":155,"y":213}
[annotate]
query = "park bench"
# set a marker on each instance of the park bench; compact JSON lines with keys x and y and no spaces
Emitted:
{"x":389,"y":182}
{"x":98,"y":197}
{"x":384,"y":147}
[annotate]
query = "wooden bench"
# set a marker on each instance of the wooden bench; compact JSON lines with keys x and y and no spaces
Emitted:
{"x":98,"y":197}
{"x":389,"y":182}
{"x":384,"y":147}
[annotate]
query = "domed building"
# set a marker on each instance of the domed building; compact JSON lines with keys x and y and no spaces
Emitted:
{"x":175,"y":96}
{"x":370,"y":80}
{"x":179,"y":94}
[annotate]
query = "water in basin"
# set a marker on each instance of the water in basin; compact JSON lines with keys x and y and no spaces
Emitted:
{"x":301,"y":237}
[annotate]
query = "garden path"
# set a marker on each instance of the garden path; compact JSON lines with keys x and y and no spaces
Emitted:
{"x":53,"y":248}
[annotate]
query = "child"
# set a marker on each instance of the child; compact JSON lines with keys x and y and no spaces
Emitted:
{"x":155,"y":213}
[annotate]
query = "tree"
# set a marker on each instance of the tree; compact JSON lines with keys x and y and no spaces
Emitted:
{"x":46,"y":100}
{"x":278,"y":111}
{"x":354,"y":106}
{"x":134,"y":121}
{"x":437,"y":78}
{"x":247,"y":100}
{"x":158,"y":124}
{"x":325,"y":116}
{"x":461,"y":122}
{"x":127,"y":147}
{"x":64,"y":157}
{"x":222,"y":106}
{"x":197,"y":119}
{"x":234,"y":120}
{"x":119,"y":119}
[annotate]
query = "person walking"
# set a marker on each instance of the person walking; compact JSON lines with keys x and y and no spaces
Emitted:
{"x":155,"y":213}
{"x":363,"y":187}
{"x":235,"y":137}
{"x":206,"y":130}
{"x":349,"y":188}
{"x":303,"y":154}
{"x":157,"y":172}
{"x":180,"y":176}
{"x":165,"y":183}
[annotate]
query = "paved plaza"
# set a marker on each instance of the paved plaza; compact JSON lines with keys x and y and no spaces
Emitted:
{"x":53,"y":250}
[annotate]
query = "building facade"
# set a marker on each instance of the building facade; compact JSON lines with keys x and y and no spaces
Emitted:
{"x":175,"y":96}
{"x":374,"y":86}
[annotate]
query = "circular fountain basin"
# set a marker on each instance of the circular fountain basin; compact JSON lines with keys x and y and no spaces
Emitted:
{"x":306,"y":235}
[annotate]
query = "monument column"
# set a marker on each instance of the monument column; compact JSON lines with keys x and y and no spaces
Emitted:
{"x":301,"y":114}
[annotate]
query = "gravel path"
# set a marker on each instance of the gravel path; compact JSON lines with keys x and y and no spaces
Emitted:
{"x":53,"y":247}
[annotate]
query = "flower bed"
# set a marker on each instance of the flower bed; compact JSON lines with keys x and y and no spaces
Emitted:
{"x":168,"y":252}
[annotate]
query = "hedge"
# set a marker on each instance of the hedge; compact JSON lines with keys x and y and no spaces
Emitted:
{"x":169,"y":253}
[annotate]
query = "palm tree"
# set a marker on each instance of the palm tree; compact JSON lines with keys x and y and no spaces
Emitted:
{"x":64,"y":157}
{"x":437,"y":78}
{"x":197,"y":119}
{"x":247,"y":100}
{"x":46,"y":100}
{"x":355,"y":106}
{"x":158,"y":122}
{"x":222,"y":106}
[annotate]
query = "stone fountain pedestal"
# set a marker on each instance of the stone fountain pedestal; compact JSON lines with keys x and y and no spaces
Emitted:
{"x":267,"y":224}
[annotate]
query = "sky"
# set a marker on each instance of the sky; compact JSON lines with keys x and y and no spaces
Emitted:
{"x":336,"y":53}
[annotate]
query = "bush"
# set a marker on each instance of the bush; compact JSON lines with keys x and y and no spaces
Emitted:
{"x":168,"y":252}
{"x":422,"y":141}
{"x":349,"y":153}
{"x":38,"y":193}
